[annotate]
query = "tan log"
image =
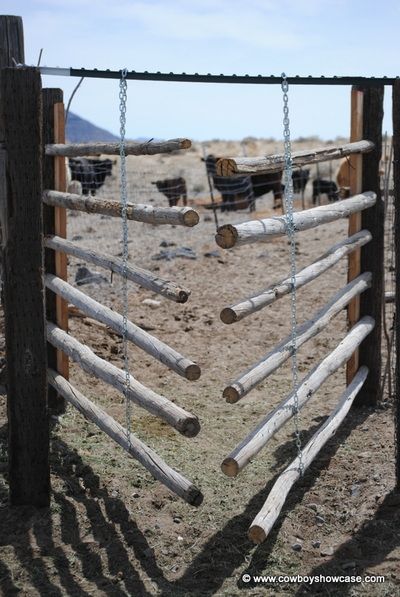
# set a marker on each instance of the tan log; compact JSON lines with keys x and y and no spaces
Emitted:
{"x":265,"y":297}
{"x":267,"y":516}
{"x":73,"y":150}
{"x":255,"y":374}
{"x":157,"y":405}
{"x":151,"y":345}
{"x":253,"y":231}
{"x":256,"y":439}
{"x":130,"y":443}
{"x":136,"y":274}
{"x":177,"y":216}
{"x":275,"y":163}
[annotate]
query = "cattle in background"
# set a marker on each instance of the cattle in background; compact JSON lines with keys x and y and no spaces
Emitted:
{"x":300,"y":178}
{"x":324,"y":187}
{"x":343,"y":178}
{"x":240,"y":192}
{"x":174,"y":189}
{"x":91,"y":173}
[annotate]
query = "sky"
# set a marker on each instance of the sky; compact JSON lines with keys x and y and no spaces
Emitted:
{"x":316,"y":37}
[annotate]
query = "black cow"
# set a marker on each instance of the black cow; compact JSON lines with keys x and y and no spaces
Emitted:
{"x":174,"y":189}
{"x":300,"y":179}
{"x":240,"y":192}
{"x":91,"y":173}
{"x":324,"y":187}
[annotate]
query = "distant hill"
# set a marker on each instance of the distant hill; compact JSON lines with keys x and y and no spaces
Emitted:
{"x":79,"y":130}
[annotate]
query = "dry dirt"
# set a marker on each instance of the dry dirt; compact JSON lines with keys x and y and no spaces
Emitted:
{"x":111,"y":529}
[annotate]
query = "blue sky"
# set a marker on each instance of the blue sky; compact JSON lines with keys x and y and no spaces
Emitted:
{"x":330,"y":37}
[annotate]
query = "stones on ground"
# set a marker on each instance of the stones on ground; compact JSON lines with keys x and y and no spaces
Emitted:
{"x":153,"y":304}
{"x":355,"y":491}
{"x":215,"y":253}
{"x":328,"y":550}
{"x":166,"y":243}
{"x":316,"y":544}
{"x":85,"y":276}
{"x":320,"y":519}
{"x":297,"y":546}
{"x":169,"y":254}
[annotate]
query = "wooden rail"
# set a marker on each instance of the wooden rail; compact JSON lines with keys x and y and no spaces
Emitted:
{"x":177,"y":216}
{"x":72,"y":150}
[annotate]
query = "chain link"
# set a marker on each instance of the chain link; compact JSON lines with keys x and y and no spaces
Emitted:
{"x":291,"y":233}
{"x":123,"y":85}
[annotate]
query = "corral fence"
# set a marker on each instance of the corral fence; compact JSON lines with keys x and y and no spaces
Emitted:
{"x":33,"y":211}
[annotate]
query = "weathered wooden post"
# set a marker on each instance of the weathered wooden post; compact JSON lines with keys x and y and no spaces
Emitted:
{"x":396,"y":179}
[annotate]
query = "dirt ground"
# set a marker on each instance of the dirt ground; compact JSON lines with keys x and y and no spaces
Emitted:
{"x":111,"y":529}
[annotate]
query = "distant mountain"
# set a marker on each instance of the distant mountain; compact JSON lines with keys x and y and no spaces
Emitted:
{"x":79,"y":130}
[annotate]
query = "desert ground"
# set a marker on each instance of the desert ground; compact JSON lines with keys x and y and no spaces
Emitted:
{"x":111,"y":528}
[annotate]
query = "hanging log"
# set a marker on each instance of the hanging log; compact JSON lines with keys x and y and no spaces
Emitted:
{"x":256,"y":439}
{"x":73,"y":150}
{"x":136,"y":274}
{"x":265,"y":297}
{"x":131,"y":444}
{"x":157,"y":405}
{"x":253,"y":376}
{"x":253,"y":231}
{"x":151,"y":345}
{"x":177,"y":216}
{"x":275,"y":163}
{"x":267,"y":516}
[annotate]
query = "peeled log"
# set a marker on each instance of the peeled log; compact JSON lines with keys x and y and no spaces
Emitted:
{"x":131,"y":444}
{"x":73,"y":150}
{"x":267,"y":516}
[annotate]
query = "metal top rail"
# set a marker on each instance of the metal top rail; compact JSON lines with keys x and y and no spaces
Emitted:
{"x":209,"y":78}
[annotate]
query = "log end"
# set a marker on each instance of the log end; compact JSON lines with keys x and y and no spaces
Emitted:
{"x":191,"y":218}
{"x":194,"y":496}
{"x":257,"y":534}
{"x":183,"y":296}
{"x":231,"y":394}
{"x":226,"y":167}
{"x":230,"y":467}
{"x":186,"y":144}
{"x":189,"y":426}
{"x":192,"y":372}
{"x":228,"y":315}
{"x":226,"y":236}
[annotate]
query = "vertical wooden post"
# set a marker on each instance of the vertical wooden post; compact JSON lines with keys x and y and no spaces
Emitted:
{"x":55,"y":223}
{"x":372,"y":254}
{"x":396,"y":180}
{"x":354,"y":259}
{"x":23,"y":289}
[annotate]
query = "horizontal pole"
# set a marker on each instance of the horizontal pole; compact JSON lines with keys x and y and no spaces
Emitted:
{"x":269,"y":513}
{"x":242,"y":309}
{"x":251,"y":378}
{"x":276,"y":163}
{"x":253,"y":231}
{"x":129,"y":442}
{"x":72,"y":150}
{"x":177,"y":216}
{"x":151,"y":345}
{"x":143,"y":277}
{"x":157,"y":405}
{"x":209,"y":78}
{"x":258,"y":438}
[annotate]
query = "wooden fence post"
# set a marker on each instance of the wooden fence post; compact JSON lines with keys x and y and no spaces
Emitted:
{"x":23,"y":291}
{"x":54,"y":222}
{"x":372,"y":254}
{"x":396,"y":180}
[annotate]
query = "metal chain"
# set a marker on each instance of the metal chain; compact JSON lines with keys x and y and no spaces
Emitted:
{"x":124,"y":200}
{"x":290,"y":231}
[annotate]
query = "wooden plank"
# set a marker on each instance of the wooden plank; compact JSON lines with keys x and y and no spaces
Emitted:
{"x":23,"y":290}
{"x":396,"y":180}
{"x":276,"y":163}
{"x":130,"y":443}
{"x":72,"y":150}
{"x":263,"y":230}
{"x":60,"y":229}
{"x":372,"y":255}
{"x":354,"y":260}
{"x":268,"y":515}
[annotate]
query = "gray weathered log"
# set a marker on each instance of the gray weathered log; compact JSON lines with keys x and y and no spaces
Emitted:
{"x":131,"y":444}
{"x":263,"y":230}
{"x":256,"y":439}
{"x":255,"y":374}
{"x":390,"y":297}
{"x":136,"y":274}
{"x":254,"y":303}
{"x":151,"y":345}
{"x":178,"y":216}
{"x":73,"y":150}
{"x":275,"y":163}
{"x":181,"y":420}
{"x":267,"y":516}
